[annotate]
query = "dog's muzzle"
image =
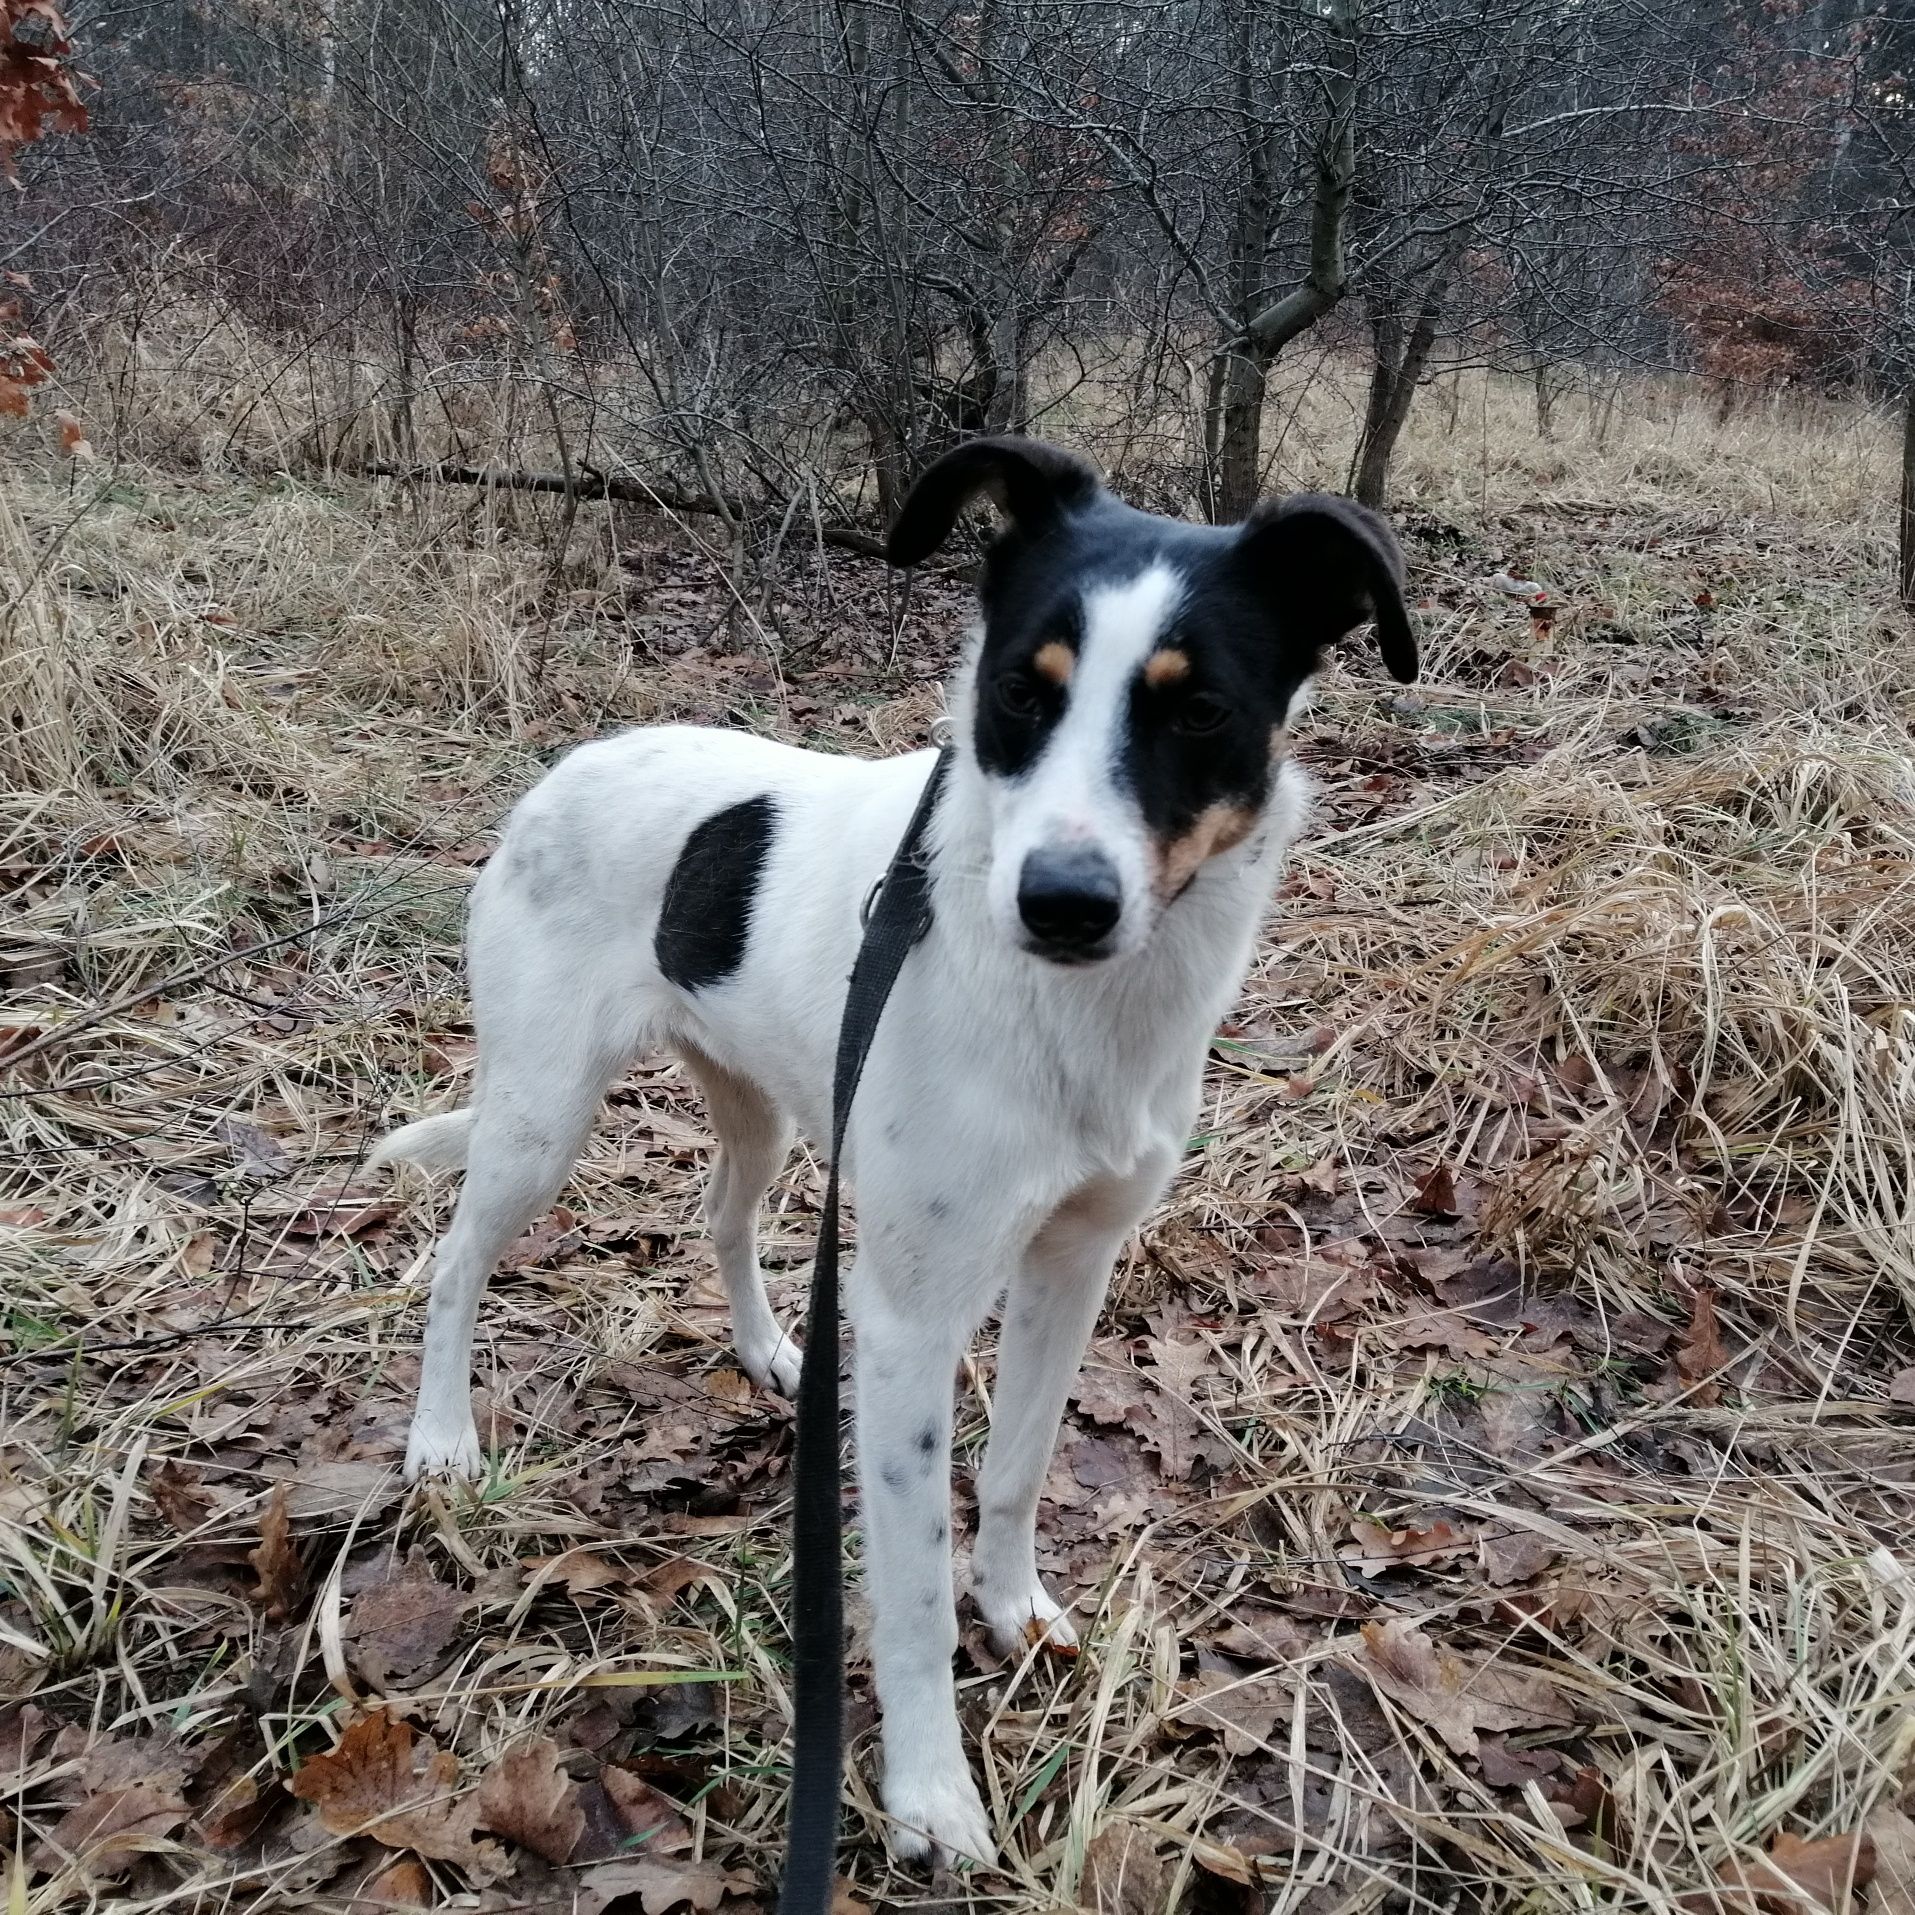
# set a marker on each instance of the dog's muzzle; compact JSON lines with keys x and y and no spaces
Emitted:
{"x":1069,"y":899}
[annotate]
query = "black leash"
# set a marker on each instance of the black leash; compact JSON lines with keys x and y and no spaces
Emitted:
{"x":897,"y":917}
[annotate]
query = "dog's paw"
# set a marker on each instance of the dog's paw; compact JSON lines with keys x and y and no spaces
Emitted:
{"x":937,"y":1816}
{"x":434,"y":1451}
{"x":1017,"y":1622}
{"x":774,"y":1366}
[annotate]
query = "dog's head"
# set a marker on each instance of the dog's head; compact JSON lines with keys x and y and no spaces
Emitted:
{"x":1137,"y":677}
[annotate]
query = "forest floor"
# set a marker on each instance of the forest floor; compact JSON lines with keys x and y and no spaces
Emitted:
{"x":1492,"y":1485}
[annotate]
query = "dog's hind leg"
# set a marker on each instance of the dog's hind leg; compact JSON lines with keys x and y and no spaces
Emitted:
{"x":1049,"y":1312}
{"x":543,"y":1078}
{"x":754,"y":1139}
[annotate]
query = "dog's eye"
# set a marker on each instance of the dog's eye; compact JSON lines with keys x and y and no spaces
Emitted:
{"x":1201,"y":714}
{"x":1017,"y":692}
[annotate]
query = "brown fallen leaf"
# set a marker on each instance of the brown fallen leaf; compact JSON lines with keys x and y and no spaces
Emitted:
{"x":112,"y":1762}
{"x":545,"y":1242}
{"x":579,"y":1573}
{"x":343,"y":1213}
{"x":1378,"y":1547}
{"x":256,"y":1153}
{"x":400,"y":1629}
{"x":1435,"y":1194}
{"x":341,"y":1486}
{"x":405,"y":1884}
{"x":179,"y":1496}
{"x":282,"y":1576}
{"x":1454,"y":1696}
{"x":1507,"y":1768}
{"x":1580,"y":1800}
{"x":23,"y":1727}
{"x":732,"y":1387}
{"x":1893,"y":1835}
{"x":1797,"y":1876}
{"x":1321,"y":1177}
{"x":660,"y":1886}
{"x":1244,"y":1709}
{"x":378,"y":1783}
{"x":1514,"y":1424}
{"x":1700,"y":1355}
{"x":526,"y":1797}
{"x":103,"y":1834}
{"x":447,"y":1056}
{"x":233,"y":1815}
{"x":1109,"y":1393}
{"x":73,"y":440}
{"x":675,"y":1575}
{"x":1123,"y":1873}
{"x":649,"y":1817}
{"x":1512,"y":1555}
{"x":624,"y":1814}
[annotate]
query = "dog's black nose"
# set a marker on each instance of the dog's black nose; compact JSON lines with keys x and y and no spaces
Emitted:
{"x":1070,"y":899}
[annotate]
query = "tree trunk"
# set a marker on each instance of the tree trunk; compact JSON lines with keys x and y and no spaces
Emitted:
{"x":1233,"y":431}
{"x":1401,"y":361}
{"x":1906,"y":547}
{"x":890,"y":459}
{"x":1240,"y":370}
{"x":1545,"y":401}
{"x":1007,"y":398}
{"x":1386,"y":382}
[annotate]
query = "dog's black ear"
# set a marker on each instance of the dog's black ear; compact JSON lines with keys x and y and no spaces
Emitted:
{"x":1329,"y":564}
{"x":1032,"y":481}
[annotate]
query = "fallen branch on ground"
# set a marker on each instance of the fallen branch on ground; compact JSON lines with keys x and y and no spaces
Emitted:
{"x":600,"y":485}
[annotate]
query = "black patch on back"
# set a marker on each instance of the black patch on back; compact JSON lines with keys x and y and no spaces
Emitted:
{"x":705,"y":921}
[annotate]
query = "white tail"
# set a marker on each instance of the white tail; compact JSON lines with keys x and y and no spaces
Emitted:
{"x":433,"y":1143}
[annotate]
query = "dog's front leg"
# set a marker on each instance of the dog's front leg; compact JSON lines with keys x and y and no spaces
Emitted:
{"x":914,"y":1310}
{"x":1048,"y":1316}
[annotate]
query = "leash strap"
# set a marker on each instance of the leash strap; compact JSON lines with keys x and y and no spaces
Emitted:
{"x":896,"y":919}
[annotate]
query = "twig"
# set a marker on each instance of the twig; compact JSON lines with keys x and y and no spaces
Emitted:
{"x":588,"y":484}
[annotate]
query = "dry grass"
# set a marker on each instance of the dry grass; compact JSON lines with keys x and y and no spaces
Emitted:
{"x":1489,"y":1489}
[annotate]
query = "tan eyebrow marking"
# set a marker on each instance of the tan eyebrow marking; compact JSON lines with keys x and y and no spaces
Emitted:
{"x":1055,"y":661}
{"x":1165,"y":668}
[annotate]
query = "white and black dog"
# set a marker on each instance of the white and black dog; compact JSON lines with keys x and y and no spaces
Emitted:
{"x":1115,"y":817}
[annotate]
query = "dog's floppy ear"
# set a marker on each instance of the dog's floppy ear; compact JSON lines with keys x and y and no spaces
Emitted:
{"x":1329,"y":564}
{"x":1032,"y":481}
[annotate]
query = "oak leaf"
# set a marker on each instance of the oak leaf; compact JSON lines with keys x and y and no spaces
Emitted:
{"x":1452,"y":1694}
{"x":1244,"y":1709}
{"x":1797,"y":1876}
{"x":107,"y":1831}
{"x":1377,"y":1547}
{"x":526,"y":1797}
{"x":1700,"y":1355}
{"x":1435,"y":1194}
{"x":660,"y":1886}
{"x":282,"y":1576}
{"x":385,"y":1782}
{"x":404,"y":1885}
{"x":73,"y":440}
{"x":400,"y":1629}
{"x":1123,"y":1873}
{"x":180,"y":1497}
